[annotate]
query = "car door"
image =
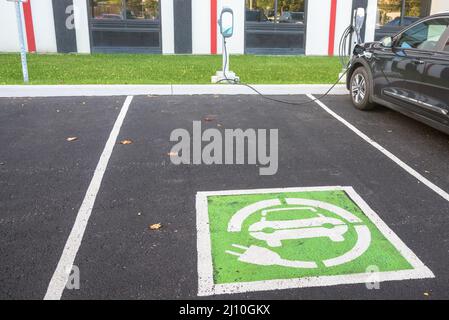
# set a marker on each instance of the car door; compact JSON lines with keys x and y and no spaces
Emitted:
{"x":435,"y":89}
{"x":398,"y":71}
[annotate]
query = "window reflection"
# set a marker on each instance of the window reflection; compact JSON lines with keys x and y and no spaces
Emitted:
{"x":275,"y":11}
{"x":129,"y":9}
{"x":389,"y":12}
{"x":397,"y":13}
{"x":109,"y":9}
{"x":142,"y":9}
{"x":424,"y":36}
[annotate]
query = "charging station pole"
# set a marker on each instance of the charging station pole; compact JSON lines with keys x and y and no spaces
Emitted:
{"x":357,"y":21}
{"x":23,"y":53}
{"x":226,"y":23}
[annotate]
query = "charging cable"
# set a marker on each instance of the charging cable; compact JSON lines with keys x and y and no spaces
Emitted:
{"x":234,"y":82}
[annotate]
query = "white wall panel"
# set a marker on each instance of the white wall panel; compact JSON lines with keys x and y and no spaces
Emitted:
{"x":44,"y":26}
{"x":201,"y":26}
{"x":167,"y":27}
{"x":236,"y":44}
{"x":9,"y":39}
{"x":318,"y":22}
{"x":344,"y":16}
{"x":439,"y":6}
{"x":81,"y":26}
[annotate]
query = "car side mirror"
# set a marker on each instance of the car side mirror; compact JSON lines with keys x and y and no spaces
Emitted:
{"x":387,"y":42}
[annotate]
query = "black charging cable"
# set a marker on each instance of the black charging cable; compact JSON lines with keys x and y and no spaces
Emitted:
{"x":236,"y":82}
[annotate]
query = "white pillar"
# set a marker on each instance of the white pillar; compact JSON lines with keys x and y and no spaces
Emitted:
{"x":201,"y":26}
{"x":44,"y":25}
{"x":317,"y":30}
{"x":9,"y":36}
{"x":439,"y":6}
{"x":343,"y":20}
{"x":81,"y":26}
{"x":168,"y":27}
{"x":371,"y":21}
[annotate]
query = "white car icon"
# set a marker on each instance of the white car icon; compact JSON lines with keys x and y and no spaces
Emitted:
{"x":273,"y":232}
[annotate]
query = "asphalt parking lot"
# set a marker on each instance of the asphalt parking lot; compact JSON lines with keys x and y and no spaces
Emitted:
{"x":44,"y":180}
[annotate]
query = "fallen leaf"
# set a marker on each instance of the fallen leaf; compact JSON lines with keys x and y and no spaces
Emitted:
{"x":426,"y":294}
{"x":155,"y":226}
{"x":172,"y":154}
{"x":126,"y":142}
{"x":209,"y":118}
{"x":219,"y":125}
{"x":70,"y":139}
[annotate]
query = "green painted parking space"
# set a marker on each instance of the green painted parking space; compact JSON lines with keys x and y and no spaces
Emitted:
{"x":269,"y":239}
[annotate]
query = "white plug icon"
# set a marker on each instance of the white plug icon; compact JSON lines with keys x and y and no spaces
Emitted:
{"x":266,"y":257}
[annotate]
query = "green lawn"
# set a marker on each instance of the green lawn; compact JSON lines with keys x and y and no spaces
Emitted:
{"x":159,"y":69}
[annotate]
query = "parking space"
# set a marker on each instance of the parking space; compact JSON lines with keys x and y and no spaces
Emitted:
{"x":44,"y":179}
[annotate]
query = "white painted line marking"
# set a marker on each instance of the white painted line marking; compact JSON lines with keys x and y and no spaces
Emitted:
{"x":206,"y":286}
{"x":398,"y":161}
{"x":65,"y":264}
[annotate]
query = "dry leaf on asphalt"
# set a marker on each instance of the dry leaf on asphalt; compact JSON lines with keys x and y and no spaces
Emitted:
{"x":172,"y":154}
{"x":155,"y":226}
{"x":70,"y":139}
{"x":209,"y":118}
{"x":125,"y":142}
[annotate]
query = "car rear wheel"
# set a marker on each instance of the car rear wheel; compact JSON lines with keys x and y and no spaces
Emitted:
{"x":361,"y":89}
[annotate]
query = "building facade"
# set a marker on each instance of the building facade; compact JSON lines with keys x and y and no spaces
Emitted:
{"x":311,"y":27}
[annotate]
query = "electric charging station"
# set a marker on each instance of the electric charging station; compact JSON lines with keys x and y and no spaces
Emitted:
{"x":226,"y":24}
{"x":23,"y":54}
{"x":354,"y":33}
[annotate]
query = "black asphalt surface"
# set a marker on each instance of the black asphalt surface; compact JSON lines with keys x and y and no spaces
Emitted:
{"x":43,"y":179}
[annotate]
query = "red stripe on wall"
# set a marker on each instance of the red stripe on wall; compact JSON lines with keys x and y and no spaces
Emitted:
{"x":213,"y":26}
{"x":333,"y":21}
{"x":31,"y":41}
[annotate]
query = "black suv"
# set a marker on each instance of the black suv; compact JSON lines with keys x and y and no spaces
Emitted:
{"x":408,"y":72}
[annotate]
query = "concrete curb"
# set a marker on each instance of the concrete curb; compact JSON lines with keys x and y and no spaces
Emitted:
{"x":18,"y":91}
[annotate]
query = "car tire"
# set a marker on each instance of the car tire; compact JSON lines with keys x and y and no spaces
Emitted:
{"x":360,"y":89}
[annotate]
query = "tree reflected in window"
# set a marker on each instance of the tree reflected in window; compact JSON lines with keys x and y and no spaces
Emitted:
{"x":125,"y":9}
{"x":284,"y":11}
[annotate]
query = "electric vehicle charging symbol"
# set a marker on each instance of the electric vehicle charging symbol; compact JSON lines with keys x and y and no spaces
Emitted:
{"x":275,"y":232}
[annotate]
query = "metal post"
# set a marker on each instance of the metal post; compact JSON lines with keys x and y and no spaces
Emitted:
{"x":403,"y":8}
{"x":23,"y":54}
{"x":225,"y":58}
{"x":275,"y":10}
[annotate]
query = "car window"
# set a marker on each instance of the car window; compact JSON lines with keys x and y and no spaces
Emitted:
{"x":423,"y":36}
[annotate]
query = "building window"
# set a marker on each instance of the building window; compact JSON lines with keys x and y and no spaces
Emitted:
{"x":389,"y":12}
{"x":275,"y":26}
{"x":276,"y":11}
{"x":111,"y":9}
{"x":125,"y":9}
{"x":393,"y":15}
{"x":142,"y":9}
{"x":125,"y":26}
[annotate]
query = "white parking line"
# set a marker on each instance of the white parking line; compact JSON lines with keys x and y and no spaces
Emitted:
{"x":387,"y":153}
{"x":65,"y":264}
